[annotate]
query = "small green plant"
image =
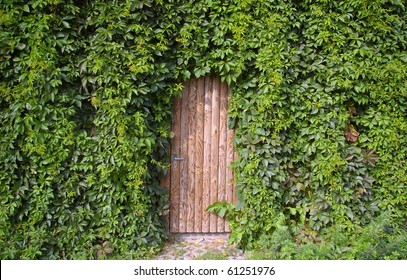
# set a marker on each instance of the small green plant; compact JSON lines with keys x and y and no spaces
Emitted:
{"x":213,"y":255}
{"x":260,"y":254}
{"x":103,"y":250}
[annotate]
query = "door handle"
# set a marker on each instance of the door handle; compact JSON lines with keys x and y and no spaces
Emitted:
{"x":176,"y":158}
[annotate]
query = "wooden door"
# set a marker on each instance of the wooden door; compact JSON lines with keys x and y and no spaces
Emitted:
{"x":202,"y":151}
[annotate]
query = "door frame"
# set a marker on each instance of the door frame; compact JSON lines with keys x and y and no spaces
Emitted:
{"x":207,"y":114}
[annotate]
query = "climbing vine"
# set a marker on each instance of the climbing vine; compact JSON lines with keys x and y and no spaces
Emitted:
{"x":318,"y":105}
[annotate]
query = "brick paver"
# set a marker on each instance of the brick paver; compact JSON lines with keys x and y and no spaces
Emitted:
{"x":192,"y":246}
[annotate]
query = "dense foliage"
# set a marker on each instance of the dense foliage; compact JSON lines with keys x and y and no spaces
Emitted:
{"x":377,"y":241}
{"x":85,"y":100}
{"x":319,"y":100}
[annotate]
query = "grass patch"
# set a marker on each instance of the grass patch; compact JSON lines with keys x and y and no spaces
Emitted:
{"x":213,"y":255}
{"x":259,"y":254}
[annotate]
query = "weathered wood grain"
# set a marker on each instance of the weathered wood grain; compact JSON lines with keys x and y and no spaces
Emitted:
{"x":199,"y":149}
{"x":207,"y":154}
{"x":183,"y":164}
{"x":214,"y":152}
{"x":205,"y":142}
{"x":229,"y":171}
{"x":192,"y":131}
{"x":223,"y":107}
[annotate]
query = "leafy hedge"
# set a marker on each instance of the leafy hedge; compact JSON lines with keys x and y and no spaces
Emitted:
{"x":318,"y":103}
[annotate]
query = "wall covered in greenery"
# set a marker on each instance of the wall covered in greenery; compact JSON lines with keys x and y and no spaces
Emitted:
{"x":319,"y":100}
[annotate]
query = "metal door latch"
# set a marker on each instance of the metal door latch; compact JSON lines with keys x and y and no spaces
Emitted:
{"x":176,"y":158}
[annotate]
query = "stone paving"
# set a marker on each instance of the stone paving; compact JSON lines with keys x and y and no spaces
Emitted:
{"x":200,"y":247}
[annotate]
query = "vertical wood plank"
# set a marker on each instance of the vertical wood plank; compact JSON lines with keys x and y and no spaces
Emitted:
{"x":214,"y":152}
{"x":191,"y":156}
{"x":175,"y":171}
{"x":207,"y":154}
{"x":223,"y":103}
{"x":183,"y":164}
{"x":199,"y":159}
{"x":229,"y":170}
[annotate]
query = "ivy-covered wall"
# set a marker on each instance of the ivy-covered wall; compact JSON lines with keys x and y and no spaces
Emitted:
{"x":85,"y":113}
{"x":319,"y":100}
